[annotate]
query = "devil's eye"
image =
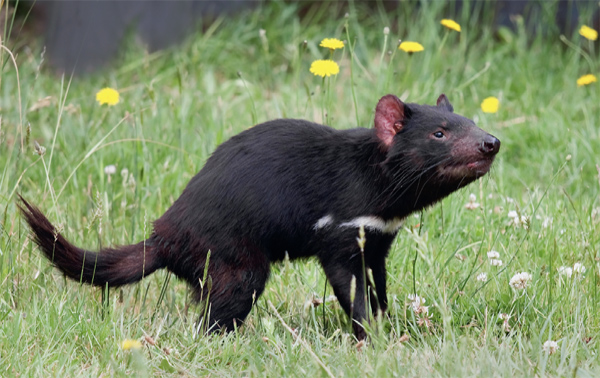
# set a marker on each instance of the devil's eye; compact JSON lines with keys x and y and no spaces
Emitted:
{"x":438,"y":134}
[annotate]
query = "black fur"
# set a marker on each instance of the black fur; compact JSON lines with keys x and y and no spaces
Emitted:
{"x":262,"y":192}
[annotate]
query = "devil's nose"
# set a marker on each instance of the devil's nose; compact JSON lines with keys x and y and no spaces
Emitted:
{"x":490,"y":145}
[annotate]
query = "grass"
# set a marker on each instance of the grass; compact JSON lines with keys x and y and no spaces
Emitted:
{"x":178,"y":105}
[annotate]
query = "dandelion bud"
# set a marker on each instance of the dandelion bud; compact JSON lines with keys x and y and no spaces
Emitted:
{"x":129,"y":344}
{"x":386,"y":31}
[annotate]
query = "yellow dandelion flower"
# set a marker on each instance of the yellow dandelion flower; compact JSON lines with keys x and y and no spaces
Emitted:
{"x":324,"y":68}
{"x":332,"y":43}
{"x":588,"y":33}
{"x":586,"y":79}
{"x":411,"y":47}
{"x":107,"y":96}
{"x":490,"y":105}
{"x":450,"y":24}
{"x":128,"y":344}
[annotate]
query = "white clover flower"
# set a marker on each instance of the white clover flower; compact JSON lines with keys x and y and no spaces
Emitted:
{"x":550,"y":347}
{"x":482,"y":277}
{"x":520,"y":280}
{"x":417,"y":304}
{"x":518,"y":221}
{"x":505,"y":324}
{"x":416,"y":300}
{"x":565,"y":271}
{"x":110,"y":169}
{"x":579,"y":268}
{"x":493,"y":255}
{"x":472,"y":205}
{"x":547,"y":222}
{"x":496,"y":262}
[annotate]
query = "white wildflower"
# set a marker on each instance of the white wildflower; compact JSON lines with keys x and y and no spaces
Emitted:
{"x":518,"y":220}
{"x":472,"y":205}
{"x":493,"y":255}
{"x":550,"y":347}
{"x":520,"y":280}
{"x":110,"y":170}
{"x":565,"y":271}
{"x":482,"y":277}
{"x":505,"y":317}
{"x":579,"y":268}
{"x":386,"y":30}
{"x":417,"y":304}
{"x":496,"y":262}
{"x":547,"y":222}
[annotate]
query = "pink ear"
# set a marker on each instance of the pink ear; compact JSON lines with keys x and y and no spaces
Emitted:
{"x":389,"y":118}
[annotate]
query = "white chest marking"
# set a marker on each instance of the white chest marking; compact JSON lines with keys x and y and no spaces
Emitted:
{"x":369,"y":222}
{"x":374,"y":223}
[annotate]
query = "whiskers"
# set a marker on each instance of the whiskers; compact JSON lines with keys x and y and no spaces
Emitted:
{"x":405,"y":175}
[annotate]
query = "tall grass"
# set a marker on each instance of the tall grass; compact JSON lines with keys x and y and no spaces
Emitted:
{"x":178,"y":105}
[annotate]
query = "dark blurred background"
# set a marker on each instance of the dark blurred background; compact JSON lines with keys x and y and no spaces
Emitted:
{"x":81,"y":36}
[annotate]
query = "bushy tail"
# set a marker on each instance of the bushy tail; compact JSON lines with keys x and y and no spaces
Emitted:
{"x":112,"y":266}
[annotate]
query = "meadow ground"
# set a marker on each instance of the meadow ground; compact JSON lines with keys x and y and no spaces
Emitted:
{"x":538,"y":208}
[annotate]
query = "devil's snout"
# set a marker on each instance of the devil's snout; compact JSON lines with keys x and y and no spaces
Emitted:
{"x":490,"y":145}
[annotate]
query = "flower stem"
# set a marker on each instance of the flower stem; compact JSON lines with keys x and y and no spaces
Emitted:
{"x":351,"y":48}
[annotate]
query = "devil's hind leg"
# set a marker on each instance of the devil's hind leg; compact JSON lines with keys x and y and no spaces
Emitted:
{"x":232,"y":287}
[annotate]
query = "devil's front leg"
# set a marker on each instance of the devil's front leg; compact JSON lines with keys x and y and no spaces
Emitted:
{"x":342,"y":268}
{"x":376,"y":283}
{"x":376,"y":251}
{"x":344,"y":262}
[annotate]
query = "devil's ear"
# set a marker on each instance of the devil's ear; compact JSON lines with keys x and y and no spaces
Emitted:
{"x":442,"y":102}
{"x":391,"y":115}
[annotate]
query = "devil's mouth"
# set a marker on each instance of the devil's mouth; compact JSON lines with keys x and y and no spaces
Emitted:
{"x":473,"y":169}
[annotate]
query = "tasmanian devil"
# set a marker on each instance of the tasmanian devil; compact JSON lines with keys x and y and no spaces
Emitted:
{"x":295,"y":187}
